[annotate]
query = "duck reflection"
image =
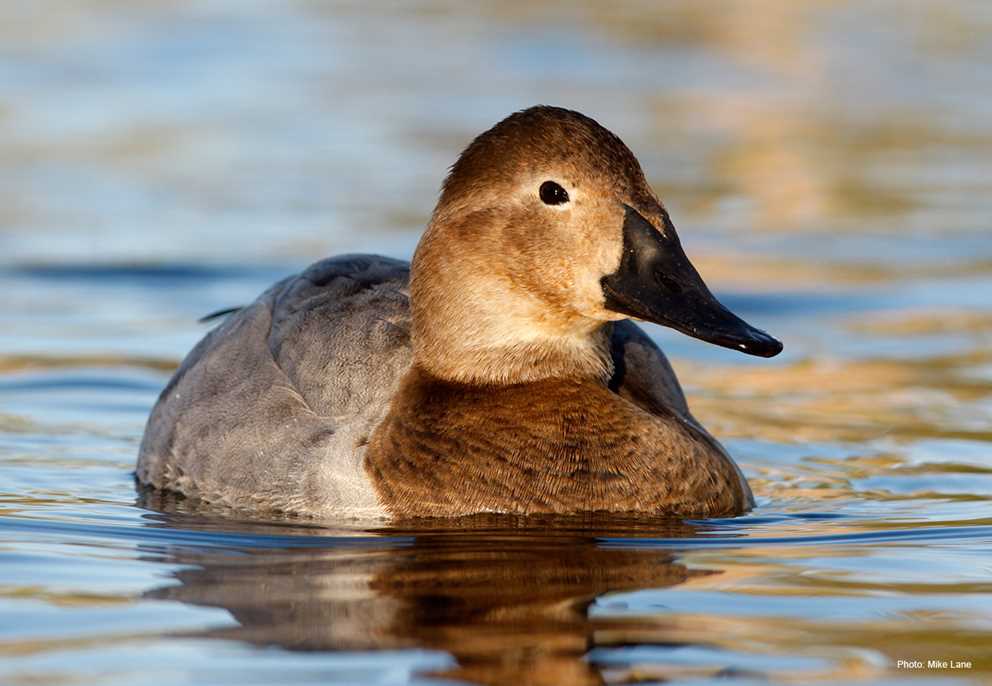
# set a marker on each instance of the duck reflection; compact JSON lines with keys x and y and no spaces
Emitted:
{"x":508,"y":599}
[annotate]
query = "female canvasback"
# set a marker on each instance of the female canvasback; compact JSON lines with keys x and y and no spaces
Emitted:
{"x":499,"y":372}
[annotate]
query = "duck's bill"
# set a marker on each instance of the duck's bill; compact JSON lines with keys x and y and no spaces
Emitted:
{"x":657,"y":283}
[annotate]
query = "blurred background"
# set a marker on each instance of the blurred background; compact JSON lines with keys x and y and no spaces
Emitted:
{"x":828,"y":165}
{"x":808,"y":147}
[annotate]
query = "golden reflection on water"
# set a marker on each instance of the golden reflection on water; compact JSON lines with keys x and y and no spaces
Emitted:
{"x":512,"y":601}
{"x":514,"y":610}
{"x":844,"y":400}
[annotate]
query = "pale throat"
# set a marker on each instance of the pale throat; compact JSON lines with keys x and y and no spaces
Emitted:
{"x":490,"y":336}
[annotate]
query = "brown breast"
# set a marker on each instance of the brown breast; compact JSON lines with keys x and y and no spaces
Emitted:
{"x":557,"y":446}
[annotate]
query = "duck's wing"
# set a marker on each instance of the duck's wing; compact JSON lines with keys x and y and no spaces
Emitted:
{"x":272,"y":409}
{"x":341,"y":332}
{"x":642,"y":373}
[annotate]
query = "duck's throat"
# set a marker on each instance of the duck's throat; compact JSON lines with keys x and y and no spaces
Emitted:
{"x":519,"y":363}
{"x":464,"y":357}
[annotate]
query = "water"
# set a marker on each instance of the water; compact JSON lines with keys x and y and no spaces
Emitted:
{"x":829,"y":166}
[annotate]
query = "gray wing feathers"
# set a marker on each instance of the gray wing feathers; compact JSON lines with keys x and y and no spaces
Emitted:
{"x":251,"y":417}
{"x":642,"y":373}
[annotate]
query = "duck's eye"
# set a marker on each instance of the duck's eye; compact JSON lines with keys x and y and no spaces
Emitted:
{"x":552,"y":194}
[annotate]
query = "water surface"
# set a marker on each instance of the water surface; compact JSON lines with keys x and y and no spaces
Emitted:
{"x":829,"y":166}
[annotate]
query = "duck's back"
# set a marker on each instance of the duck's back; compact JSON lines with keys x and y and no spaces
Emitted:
{"x":273,"y":408}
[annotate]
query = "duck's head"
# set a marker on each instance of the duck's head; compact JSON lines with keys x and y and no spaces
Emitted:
{"x":546,"y":229}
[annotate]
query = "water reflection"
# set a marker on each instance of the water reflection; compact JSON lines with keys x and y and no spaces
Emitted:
{"x":508,"y":599}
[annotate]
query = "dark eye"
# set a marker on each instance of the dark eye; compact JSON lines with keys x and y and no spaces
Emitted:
{"x":552,"y":194}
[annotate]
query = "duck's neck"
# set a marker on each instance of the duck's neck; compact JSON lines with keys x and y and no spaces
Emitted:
{"x":453,"y":354}
{"x":474,"y":327}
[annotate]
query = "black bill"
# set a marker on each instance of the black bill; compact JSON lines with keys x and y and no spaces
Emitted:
{"x":657,"y":283}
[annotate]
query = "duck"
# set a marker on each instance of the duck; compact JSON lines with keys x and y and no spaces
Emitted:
{"x":501,"y":370}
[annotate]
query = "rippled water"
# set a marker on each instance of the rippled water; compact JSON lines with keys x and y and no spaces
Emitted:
{"x":830,"y":168}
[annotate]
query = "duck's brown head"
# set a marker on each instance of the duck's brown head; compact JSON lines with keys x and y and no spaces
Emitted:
{"x":546,"y":229}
